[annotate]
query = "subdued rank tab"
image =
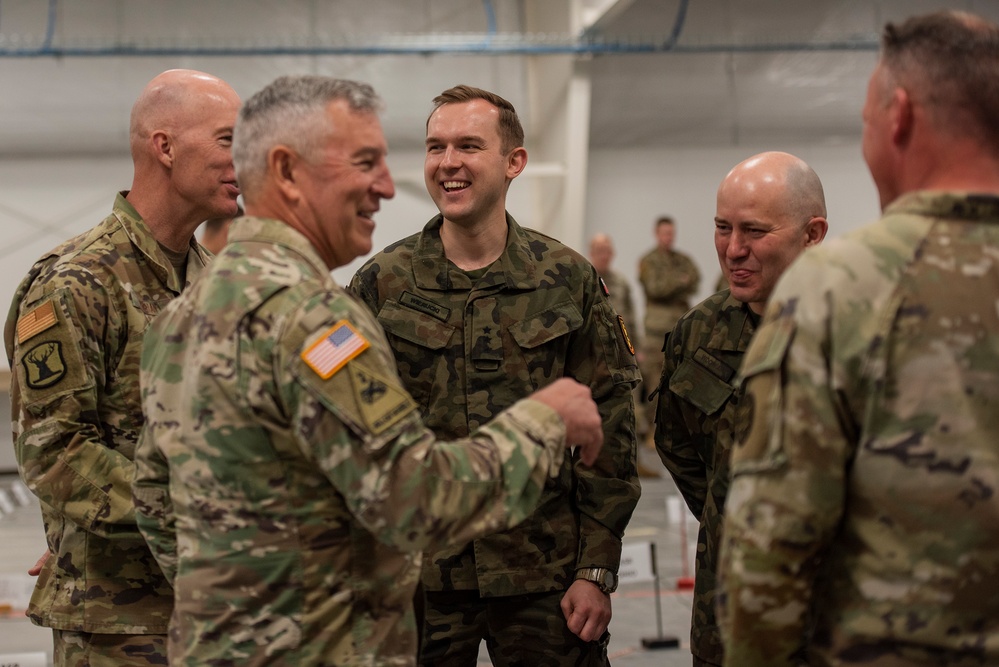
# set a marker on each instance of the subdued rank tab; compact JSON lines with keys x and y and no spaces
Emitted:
{"x":336,"y":347}
{"x":36,"y":321}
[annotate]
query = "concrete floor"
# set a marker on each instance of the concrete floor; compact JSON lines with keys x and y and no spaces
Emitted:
{"x":635,"y":615}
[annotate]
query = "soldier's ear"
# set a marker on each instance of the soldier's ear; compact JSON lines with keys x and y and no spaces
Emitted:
{"x":815,"y":230}
{"x":515,"y":162}
{"x":162,"y":147}
{"x":282,"y":167}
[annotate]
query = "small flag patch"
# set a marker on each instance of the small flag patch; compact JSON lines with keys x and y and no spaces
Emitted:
{"x":35,"y":322}
{"x":335,"y":347}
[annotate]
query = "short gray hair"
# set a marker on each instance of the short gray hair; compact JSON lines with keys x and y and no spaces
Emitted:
{"x":290,"y":111}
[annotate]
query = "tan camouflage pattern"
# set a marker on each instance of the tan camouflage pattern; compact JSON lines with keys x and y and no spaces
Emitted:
{"x":696,"y":422}
{"x":466,"y":352}
{"x":73,"y":337}
{"x":290,"y":511}
{"x":84,"y":649}
{"x":861,"y":524}
{"x":669,"y":280}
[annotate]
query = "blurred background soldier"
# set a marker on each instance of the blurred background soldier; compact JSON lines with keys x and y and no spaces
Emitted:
{"x":669,"y":278}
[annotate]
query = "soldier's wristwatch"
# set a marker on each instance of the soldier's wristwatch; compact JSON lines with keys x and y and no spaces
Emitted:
{"x":606,"y":580}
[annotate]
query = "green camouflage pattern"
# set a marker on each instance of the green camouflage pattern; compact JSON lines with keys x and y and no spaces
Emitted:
{"x":619,"y":295}
{"x":467,"y":351}
{"x":290,"y":511}
{"x":525,"y":631}
{"x":77,"y":414}
{"x":861,"y":523}
{"x":696,"y":423}
{"x":84,"y":649}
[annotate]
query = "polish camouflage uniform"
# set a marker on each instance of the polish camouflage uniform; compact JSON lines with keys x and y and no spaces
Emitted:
{"x":73,"y":337}
{"x":861,"y":524}
{"x":289,"y":510}
{"x":669,"y":279}
{"x":695,"y":426}
{"x":619,"y":294}
{"x":468,"y":349}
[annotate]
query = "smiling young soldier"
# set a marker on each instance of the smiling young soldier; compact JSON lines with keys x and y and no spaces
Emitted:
{"x":480,"y":311}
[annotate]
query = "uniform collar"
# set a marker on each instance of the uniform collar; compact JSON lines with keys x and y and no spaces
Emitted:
{"x":947,"y":204}
{"x":276,"y":232}
{"x":141,"y":236}
{"x":514,"y":269}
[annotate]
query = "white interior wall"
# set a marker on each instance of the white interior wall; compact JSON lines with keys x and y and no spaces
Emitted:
{"x":44,"y":201}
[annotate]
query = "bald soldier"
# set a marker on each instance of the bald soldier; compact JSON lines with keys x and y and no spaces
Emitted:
{"x":861,"y":525}
{"x":769,"y":209}
{"x":288,"y":485}
{"x":73,"y":339}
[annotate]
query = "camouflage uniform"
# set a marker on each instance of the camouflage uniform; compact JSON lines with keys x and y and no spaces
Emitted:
{"x":619,"y":294}
{"x":289,"y":510}
{"x":668,"y":279}
{"x":695,"y":427}
{"x":467,"y":349}
{"x":861,"y":524}
{"x":73,"y":337}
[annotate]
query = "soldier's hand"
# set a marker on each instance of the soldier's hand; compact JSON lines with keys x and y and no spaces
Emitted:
{"x":36,"y":569}
{"x":574,"y":403}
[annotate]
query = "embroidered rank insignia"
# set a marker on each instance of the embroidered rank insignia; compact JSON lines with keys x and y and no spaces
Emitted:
{"x":624,"y":332}
{"x":37,"y":321}
{"x":334,"y":349}
{"x":381,"y":401}
{"x":44,"y":365}
{"x":603,"y":286}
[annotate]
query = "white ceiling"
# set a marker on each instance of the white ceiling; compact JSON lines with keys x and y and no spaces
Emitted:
{"x":737,"y":72}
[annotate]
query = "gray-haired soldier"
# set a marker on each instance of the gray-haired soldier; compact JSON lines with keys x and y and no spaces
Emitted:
{"x":285,"y":481}
{"x":862,"y":523}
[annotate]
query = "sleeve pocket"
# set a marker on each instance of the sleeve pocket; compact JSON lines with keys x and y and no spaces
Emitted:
{"x":699,"y":387}
{"x":559,"y":320}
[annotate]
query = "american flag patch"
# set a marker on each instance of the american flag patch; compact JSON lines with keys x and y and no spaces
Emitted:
{"x":35,"y":322}
{"x":334,"y":349}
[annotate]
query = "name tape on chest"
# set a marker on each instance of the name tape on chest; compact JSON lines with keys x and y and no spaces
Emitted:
{"x":331,"y":352}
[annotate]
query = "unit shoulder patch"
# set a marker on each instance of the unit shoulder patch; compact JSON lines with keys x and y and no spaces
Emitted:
{"x":381,"y":401}
{"x":624,"y":332}
{"x":44,"y":365}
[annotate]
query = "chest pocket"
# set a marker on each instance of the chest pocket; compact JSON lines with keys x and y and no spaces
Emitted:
{"x":700,"y":387}
{"x":413,"y":326}
{"x":544,"y":340}
{"x":418,"y":341}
